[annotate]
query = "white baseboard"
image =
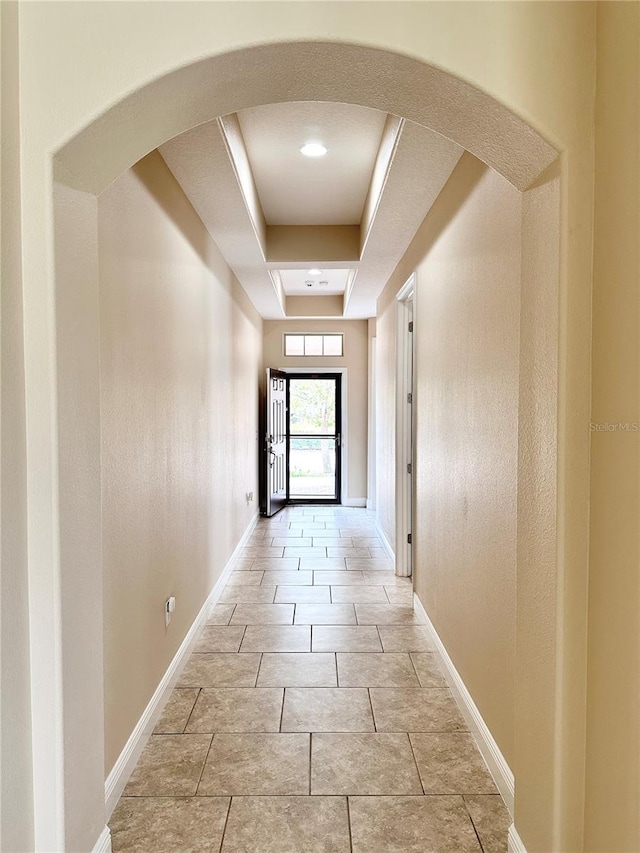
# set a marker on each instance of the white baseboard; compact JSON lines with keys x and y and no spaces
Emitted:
{"x":514,"y":842}
{"x":494,"y":759}
{"x":361,"y":502}
{"x":123,"y":768}
{"x":370,"y":504}
{"x":103,"y":844}
{"x":385,"y":542}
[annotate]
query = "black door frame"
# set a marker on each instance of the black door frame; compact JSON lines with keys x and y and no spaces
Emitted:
{"x":337,"y":377}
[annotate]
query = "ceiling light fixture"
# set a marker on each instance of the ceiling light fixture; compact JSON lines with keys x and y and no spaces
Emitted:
{"x":313,"y":149}
{"x":314,"y":271}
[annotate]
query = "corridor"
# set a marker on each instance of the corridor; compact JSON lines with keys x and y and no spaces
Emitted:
{"x":312,"y":716}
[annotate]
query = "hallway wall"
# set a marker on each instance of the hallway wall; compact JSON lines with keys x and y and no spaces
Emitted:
{"x":356,"y":360}
{"x":180,"y":360}
{"x":466,"y":256}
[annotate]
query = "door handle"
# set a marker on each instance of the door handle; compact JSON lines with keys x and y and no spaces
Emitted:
{"x":338,"y":440}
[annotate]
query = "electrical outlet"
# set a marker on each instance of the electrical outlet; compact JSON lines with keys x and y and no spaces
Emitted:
{"x":249,"y":497}
{"x":169,"y":607}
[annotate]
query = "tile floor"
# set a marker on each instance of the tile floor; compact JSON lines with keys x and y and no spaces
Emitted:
{"x":312,"y":716}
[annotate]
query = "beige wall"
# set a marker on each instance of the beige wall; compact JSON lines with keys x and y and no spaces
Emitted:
{"x":180,"y":361}
{"x":355,"y":359}
{"x":16,"y":794}
{"x":613,"y":745}
{"x":467,"y":306}
{"x":78,"y":60}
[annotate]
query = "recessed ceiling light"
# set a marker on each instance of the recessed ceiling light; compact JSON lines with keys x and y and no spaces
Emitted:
{"x":314,"y":271}
{"x":313,"y":149}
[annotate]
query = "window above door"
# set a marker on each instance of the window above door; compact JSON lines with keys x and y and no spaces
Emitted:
{"x":317,"y":345}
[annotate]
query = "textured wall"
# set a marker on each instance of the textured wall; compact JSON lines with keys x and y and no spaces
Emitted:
{"x":181,"y":354}
{"x":613,"y":735}
{"x":467,"y":304}
{"x":355,"y":359}
{"x":537,"y":59}
{"x":16,"y":816}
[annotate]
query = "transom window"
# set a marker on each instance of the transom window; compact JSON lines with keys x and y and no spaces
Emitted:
{"x":316,"y":345}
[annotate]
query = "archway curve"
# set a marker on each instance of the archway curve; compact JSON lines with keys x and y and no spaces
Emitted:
{"x":304,"y":71}
{"x":125,"y":132}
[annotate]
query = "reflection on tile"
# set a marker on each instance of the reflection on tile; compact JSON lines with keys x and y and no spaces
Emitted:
{"x":386,"y":577}
{"x":370,"y":565}
{"x":244,"y":578}
{"x":306,"y":553}
{"x":351,"y":553}
{"x":176,"y":711}
{"x":324,"y":709}
{"x":254,"y":764}
{"x":250,"y":593}
{"x":220,"y":638}
{"x":397,"y":595}
{"x":237,"y":709}
{"x":287,"y":825}
{"x":277,"y":638}
{"x":272,"y":578}
{"x":325,"y":614}
{"x":371,"y":670}
{"x":363,"y":764}
{"x":298,"y":670}
{"x":338,"y":578}
{"x":220,"y":614}
{"x":416,"y":709}
{"x":427,"y":669}
{"x":335,"y":564}
{"x":411,"y":825}
{"x":383,"y":614}
{"x":296,"y":542}
{"x":332,"y":542}
{"x":270,"y":564}
{"x":263,"y":614}
{"x":220,"y":670}
{"x":413,"y":638}
{"x":168,"y":825}
{"x":359,"y":594}
{"x":451,"y":764}
{"x":491,"y":820}
{"x":304,"y":594}
{"x":345,"y":638}
{"x":170,"y":766}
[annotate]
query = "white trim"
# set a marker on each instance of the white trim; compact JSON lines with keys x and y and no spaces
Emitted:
{"x":495,"y":760}
{"x":103,"y":844}
{"x":404,"y":427}
{"x":123,"y":768}
{"x":371,"y":429}
{"x":361,"y":502}
{"x":344,"y":489}
{"x":385,"y":542}
{"x":514,"y":842}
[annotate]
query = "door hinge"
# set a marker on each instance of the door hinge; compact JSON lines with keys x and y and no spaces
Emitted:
{"x":409,"y":397}
{"x":409,"y":471}
{"x":411,"y":326}
{"x":409,"y":539}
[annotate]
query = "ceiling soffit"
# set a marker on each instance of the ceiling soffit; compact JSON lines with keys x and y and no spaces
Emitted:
{"x":410,"y":167}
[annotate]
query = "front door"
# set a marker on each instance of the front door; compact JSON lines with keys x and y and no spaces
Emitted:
{"x":276,"y":441}
{"x":314,"y":416}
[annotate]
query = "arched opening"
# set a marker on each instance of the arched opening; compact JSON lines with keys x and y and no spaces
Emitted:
{"x":97,"y":156}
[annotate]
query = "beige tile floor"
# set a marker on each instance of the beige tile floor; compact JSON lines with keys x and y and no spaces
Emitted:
{"x":313,"y":716}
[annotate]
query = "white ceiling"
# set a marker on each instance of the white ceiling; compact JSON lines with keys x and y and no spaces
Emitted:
{"x":299,"y":190}
{"x":303,"y":283}
{"x":255,"y":199}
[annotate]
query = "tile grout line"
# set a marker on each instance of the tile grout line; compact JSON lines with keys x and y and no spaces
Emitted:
{"x":349,"y":824}
{"x":226,"y":821}
{"x":466,"y":808}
